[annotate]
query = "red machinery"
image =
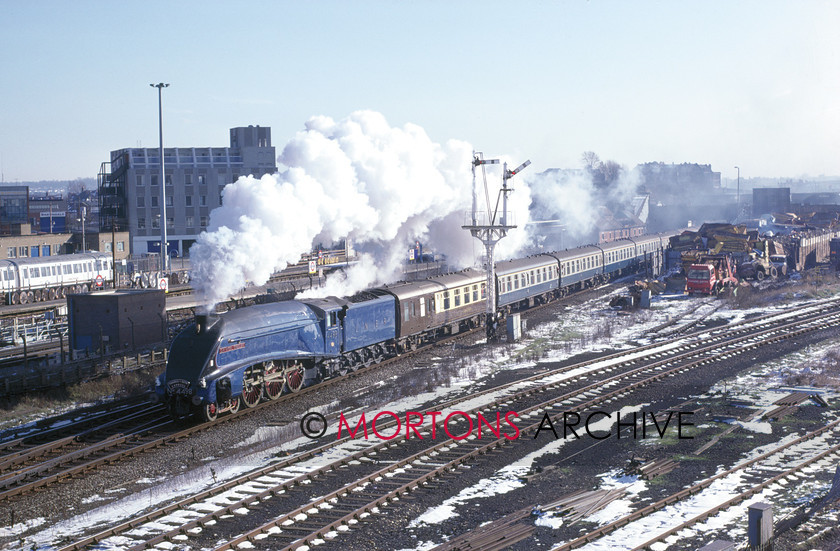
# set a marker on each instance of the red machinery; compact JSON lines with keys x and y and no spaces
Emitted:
{"x":710,"y":275}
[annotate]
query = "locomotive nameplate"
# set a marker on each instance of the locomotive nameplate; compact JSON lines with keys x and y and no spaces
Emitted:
{"x":179,"y":386}
{"x":231,"y":348}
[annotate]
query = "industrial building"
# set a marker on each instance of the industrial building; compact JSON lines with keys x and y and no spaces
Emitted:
{"x":116,"y":320}
{"x":769,"y":200}
{"x":130,"y":190}
{"x":48,"y":212}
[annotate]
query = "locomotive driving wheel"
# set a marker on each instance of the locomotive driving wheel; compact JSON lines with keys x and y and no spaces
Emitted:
{"x":272,"y":380}
{"x":210,"y":411}
{"x":233,"y":404}
{"x":293,"y":374}
{"x":251,"y":391}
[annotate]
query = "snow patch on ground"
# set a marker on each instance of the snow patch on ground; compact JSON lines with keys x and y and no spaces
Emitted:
{"x":506,"y":479}
{"x":21,"y":527}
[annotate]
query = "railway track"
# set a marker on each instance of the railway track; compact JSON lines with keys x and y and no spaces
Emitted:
{"x":295,"y":529}
{"x":83,"y":428}
{"x":283,"y":478}
{"x":760,"y":472}
{"x":70,"y":422}
{"x":28,"y":467}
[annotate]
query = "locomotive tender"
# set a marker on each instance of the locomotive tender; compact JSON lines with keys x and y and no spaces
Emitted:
{"x":222,"y":362}
{"x":35,"y":279}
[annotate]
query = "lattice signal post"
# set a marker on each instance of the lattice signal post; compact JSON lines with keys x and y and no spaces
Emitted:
{"x":490,"y":226}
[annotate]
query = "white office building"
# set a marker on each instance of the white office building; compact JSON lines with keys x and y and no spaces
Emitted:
{"x":130,"y":190}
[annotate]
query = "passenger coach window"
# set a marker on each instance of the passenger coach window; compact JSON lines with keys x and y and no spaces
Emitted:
{"x":422,"y":306}
{"x":405,"y":315}
{"x":457,"y":298}
{"x":483,"y":290}
{"x":446,"y":300}
{"x":475,"y":292}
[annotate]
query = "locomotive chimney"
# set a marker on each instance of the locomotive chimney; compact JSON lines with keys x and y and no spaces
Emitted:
{"x":204,"y":321}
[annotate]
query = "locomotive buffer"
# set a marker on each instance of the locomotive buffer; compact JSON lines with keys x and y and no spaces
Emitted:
{"x":489,"y":227}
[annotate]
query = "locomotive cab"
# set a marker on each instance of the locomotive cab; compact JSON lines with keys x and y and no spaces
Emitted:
{"x":331,"y":312}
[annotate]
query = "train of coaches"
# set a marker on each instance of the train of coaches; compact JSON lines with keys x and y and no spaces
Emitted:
{"x":24,"y":280}
{"x":224,"y":362}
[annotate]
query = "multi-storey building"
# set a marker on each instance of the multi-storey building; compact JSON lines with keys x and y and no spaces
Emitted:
{"x":130,"y":188}
{"x":14,"y":208}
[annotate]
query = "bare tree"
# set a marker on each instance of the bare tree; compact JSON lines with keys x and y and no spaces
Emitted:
{"x":591,"y":161}
{"x":76,"y":187}
{"x":611,"y":171}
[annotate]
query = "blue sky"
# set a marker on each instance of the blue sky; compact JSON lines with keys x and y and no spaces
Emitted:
{"x":754,"y":84}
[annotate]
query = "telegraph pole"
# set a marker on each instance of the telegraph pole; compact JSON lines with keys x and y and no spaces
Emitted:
{"x":489,"y":227}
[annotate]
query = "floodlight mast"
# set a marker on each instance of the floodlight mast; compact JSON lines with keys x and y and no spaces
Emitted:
{"x":488,"y":231}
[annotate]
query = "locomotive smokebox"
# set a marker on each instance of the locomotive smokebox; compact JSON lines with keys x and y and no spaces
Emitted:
{"x":203,"y":322}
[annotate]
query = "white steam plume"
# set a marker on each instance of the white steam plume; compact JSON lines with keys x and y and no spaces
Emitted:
{"x":356,"y":178}
{"x":567,"y":196}
{"x":571,"y":197}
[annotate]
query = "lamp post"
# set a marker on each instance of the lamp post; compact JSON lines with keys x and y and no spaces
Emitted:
{"x":164,"y":257}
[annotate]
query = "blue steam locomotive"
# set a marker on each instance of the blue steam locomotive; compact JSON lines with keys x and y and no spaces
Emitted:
{"x":224,"y":362}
